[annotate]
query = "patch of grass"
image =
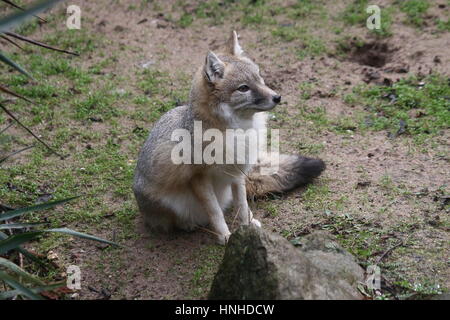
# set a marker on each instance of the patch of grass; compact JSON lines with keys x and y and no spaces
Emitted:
{"x":310,"y":149}
{"x":346,"y":43}
{"x":355,"y":14}
{"x":443,"y":25}
{"x":356,"y":235}
{"x":153,"y":82}
{"x":309,"y":44}
{"x":423,"y":105}
{"x":317,"y":116}
{"x":289,"y":33}
{"x":415,"y":11}
{"x":185,"y":20}
{"x":97,"y":105}
{"x":209,"y":259}
{"x":345,"y":125}
{"x":258,"y":13}
{"x":272,"y":210}
{"x":419,"y":289}
{"x":316,"y":196}
{"x":81,"y":41}
{"x":303,"y":8}
{"x":306,"y":89}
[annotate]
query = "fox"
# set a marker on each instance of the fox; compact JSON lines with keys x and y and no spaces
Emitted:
{"x":227,"y":92}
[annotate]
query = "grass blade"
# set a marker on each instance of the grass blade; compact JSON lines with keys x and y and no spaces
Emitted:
{"x":13,"y":20}
{"x":26,"y":253}
{"x":12,"y":42}
{"x":20,"y":272}
{"x":13,"y":293}
{"x":43,"y":206}
{"x":14,"y":153}
{"x":17,"y":239}
{"x":38,"y":43}
{"x":6,"y":128}
{"x":20,"y":8}
{"x":18,"y":286}
{"x":2,"y":88}
{"x":14,"y":65}
{"x":29,"y":131}
{"x":19,"y":225}
{"x":81,"y":235}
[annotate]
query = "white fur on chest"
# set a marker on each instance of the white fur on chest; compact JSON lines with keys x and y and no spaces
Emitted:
{"x":257,"y":121}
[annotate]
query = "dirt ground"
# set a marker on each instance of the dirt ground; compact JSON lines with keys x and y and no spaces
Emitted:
{"x":382,"y":195}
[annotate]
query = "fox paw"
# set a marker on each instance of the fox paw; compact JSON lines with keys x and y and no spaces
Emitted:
{"x":223,"y":239}
{"x":256,"y":223}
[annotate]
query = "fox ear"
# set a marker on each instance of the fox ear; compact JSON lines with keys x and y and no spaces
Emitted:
{"x":233,"y":46}
{"x":214,"y":67}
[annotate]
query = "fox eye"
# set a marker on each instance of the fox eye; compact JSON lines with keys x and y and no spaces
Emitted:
{"x":243,"y":88}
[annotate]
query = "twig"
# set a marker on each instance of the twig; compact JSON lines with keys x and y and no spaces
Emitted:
{"x":38,"y":43}
{"x":21,"y":260}
{"x":20,"y":8}
{"x":4,"y":89}
{"x":31,"y":132}
{"x":6,"y":128}
{"x":12,"y":42}
{"x":231,"y":175}
{"x":234,"y":219}
{"x":389,"y":250}
{"x":207,"y":230}
{"x":15,"y":152}
{"x":240,"y":170}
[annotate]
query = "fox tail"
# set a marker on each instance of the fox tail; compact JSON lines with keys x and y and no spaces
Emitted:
{"x":292,"y":171}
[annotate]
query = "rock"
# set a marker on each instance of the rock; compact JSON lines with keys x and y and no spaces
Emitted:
{"x":119,"y":28}
{"x":442,"y":296}
{"x":261,"y":265}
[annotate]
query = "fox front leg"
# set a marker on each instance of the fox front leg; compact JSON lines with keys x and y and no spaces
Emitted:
{"x":204,"y":191}
{"x":240,"y":203}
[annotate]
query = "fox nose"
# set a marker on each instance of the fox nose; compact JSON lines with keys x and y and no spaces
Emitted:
{"x":276,"y":99}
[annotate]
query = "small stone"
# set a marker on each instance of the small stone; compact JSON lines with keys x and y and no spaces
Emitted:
{"x":119,"y":28}
{"x":162,"y":24}
{"x":261,"y":265}
{"x":147,"y":64}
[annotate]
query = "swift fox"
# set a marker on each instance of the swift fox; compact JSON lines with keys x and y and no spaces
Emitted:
{"x":227,"y":93}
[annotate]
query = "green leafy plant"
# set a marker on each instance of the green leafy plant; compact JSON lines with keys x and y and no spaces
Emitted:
{"x":7,"y":24}
{"x":13,"y":234}
{"x":10,"y":273}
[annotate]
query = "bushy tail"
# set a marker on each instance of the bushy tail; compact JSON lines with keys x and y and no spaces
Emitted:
{"x":293,"y":171}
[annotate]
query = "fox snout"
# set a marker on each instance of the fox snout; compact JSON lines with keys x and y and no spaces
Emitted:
{"x":265,"y":98}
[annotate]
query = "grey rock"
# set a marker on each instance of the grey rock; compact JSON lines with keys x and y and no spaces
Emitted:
{"x":442,"y":296}
{"x":261,"y":265}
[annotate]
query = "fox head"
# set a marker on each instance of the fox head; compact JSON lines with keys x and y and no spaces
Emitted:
{"x":235,"y":82}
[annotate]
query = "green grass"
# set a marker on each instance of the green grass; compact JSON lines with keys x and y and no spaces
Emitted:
{"x":415,"y":11}
{"x":443,"y":25}
{"x":203,"y":275}
{"x":355,"y":14}
{"x":309,"y":45}
{"x":77,"y":112}
{"x":422,"y":104}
